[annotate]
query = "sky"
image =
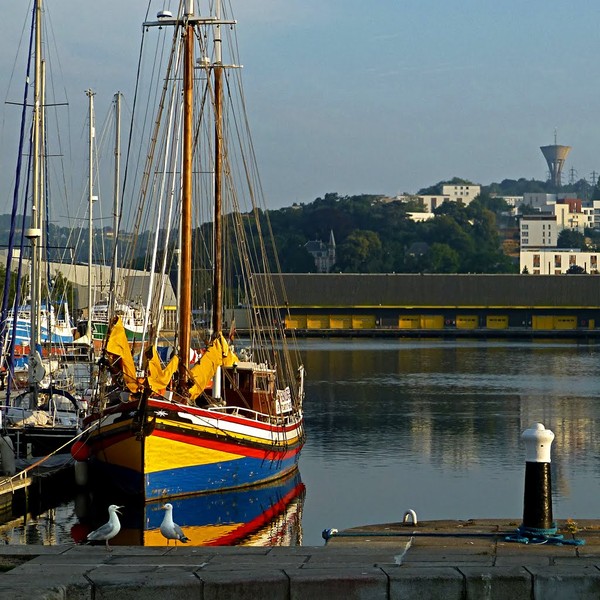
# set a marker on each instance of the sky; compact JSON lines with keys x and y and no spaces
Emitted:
{"x":355,"y":97}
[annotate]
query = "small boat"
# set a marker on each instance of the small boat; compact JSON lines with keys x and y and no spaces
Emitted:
{"x":132,"y":316}
{"x":43,"y":423}
{"x":54,"y":330}
{"x":194,"y":416}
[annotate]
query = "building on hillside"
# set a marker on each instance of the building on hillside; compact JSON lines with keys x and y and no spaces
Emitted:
{"x":557,"y":261}
{"x":464,"y":194}
{"x":513,"y":202}
{"x":430,"y":203}
{"x":538,"y":231}
{"x":570,"y":215}
{"x":323,"y":254}
{"x":540,"y":201}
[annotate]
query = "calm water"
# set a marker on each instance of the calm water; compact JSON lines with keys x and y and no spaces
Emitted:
{"x":427,"y":425}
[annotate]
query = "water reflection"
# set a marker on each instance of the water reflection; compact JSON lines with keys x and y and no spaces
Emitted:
{"x":268,"y":515}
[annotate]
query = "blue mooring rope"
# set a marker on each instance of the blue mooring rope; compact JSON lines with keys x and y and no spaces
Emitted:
{"x":531,"y":535}
{"x":524,"y":535}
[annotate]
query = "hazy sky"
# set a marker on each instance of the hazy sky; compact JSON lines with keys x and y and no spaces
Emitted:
{"x":357,"y":97}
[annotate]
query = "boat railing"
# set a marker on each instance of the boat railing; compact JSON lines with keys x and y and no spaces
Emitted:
{"x":252,"y":414}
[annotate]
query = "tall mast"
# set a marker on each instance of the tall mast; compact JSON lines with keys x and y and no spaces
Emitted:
{"x":185,"y":290}
{"x":90,"y":94}
{"x":35,"y":231}
{"x":218,"y":210}
{"x":116,"y":200}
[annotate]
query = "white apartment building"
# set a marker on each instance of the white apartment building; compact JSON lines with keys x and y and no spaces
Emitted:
{"x":578,"y":221}
{"x":557,"y":261}
{"x":543,"y":202}
{"x":538,"y":231}
{"x":430,"y":203}
{"x":461,"y":193}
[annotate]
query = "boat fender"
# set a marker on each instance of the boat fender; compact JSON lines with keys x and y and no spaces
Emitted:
{"x":7,"y":456}
{"x":412,"y":514}
{"x":81,"y":473}
{"x":80,"y":451}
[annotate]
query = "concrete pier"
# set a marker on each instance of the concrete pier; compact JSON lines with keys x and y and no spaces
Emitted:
{"x":450,"y":560}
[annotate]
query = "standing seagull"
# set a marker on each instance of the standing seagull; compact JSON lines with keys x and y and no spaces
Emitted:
{"x":108,"y":530}
{"x":171,"y":530}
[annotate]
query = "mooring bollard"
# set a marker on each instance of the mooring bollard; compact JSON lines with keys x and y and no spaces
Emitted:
{"x":538,"y":526}
{"x":537,"y":504}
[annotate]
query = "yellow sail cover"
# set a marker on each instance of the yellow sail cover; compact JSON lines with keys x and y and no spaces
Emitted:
{"x":118,"y":345}
{"x":217,"y":354}
{"x":159,"y":378}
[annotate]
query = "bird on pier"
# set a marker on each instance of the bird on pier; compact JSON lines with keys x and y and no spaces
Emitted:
{"x":108,"y":530}
{"x":169,"y":529}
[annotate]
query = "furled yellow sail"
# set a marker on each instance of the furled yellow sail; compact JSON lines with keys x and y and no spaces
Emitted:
{"x":118,"y":345}
{"x":217,"y":354}
{"x":159,"y":378}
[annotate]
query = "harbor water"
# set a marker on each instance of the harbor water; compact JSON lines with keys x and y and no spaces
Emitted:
{"x":429,"y":425}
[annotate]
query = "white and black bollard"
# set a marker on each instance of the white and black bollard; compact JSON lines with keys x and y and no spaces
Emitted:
{"x":537,"y":505}
{"x":538,"y":526}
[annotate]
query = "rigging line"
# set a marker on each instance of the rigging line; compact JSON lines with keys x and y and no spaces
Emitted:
{"x":18,"y":288}
{"x":49,"y":25}
{"x":15,"y":205}
{"x":154,"y":137}
{"x":172,"y":114}
{"x":130,"y":136}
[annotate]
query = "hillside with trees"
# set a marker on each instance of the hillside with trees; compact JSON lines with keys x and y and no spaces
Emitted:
{"x":375,"y":235}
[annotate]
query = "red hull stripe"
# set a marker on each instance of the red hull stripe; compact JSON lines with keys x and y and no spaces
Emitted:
{"x":239,"y":449}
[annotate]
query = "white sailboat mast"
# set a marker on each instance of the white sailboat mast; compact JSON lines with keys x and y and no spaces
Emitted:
{"x":90,"y":94}
{"x":35,"y":231}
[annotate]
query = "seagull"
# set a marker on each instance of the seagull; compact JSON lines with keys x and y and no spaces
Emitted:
{"x":108,"y":530}
{"x":171,"y":530}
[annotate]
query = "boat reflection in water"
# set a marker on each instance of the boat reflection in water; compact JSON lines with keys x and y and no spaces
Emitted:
{"x":267,"y":515}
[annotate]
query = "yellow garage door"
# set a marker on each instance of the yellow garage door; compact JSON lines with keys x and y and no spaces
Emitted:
{"x":363,"y":321}
{"x":466,"y":321}
{"x":565,"y":323}
{"x":409,"y":322}
{"x":295,"y":321}
{"x":542,"y":322}
{"x":317,"y":322}
{"x":497,"y":322}
{"x":340,"y":322}
{"x":432,"y":321}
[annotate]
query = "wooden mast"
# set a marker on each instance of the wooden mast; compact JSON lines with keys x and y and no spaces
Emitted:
{"x":185,"y":290}
{"x":218,"y":209}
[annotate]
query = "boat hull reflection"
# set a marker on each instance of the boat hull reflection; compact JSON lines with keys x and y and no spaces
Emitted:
{"x":266,"y":515}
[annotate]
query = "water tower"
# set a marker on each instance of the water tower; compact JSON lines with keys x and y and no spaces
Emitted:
{"x":555,"y":156}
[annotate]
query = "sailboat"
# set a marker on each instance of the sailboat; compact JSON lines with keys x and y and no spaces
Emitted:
{"x":46,"y":416}
{"x":192,"y":415}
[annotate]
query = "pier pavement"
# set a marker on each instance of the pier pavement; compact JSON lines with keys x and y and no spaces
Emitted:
{"x":450,"y":560}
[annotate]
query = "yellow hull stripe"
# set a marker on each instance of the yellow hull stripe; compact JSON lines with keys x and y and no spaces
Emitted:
{"x":164,"y":454}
